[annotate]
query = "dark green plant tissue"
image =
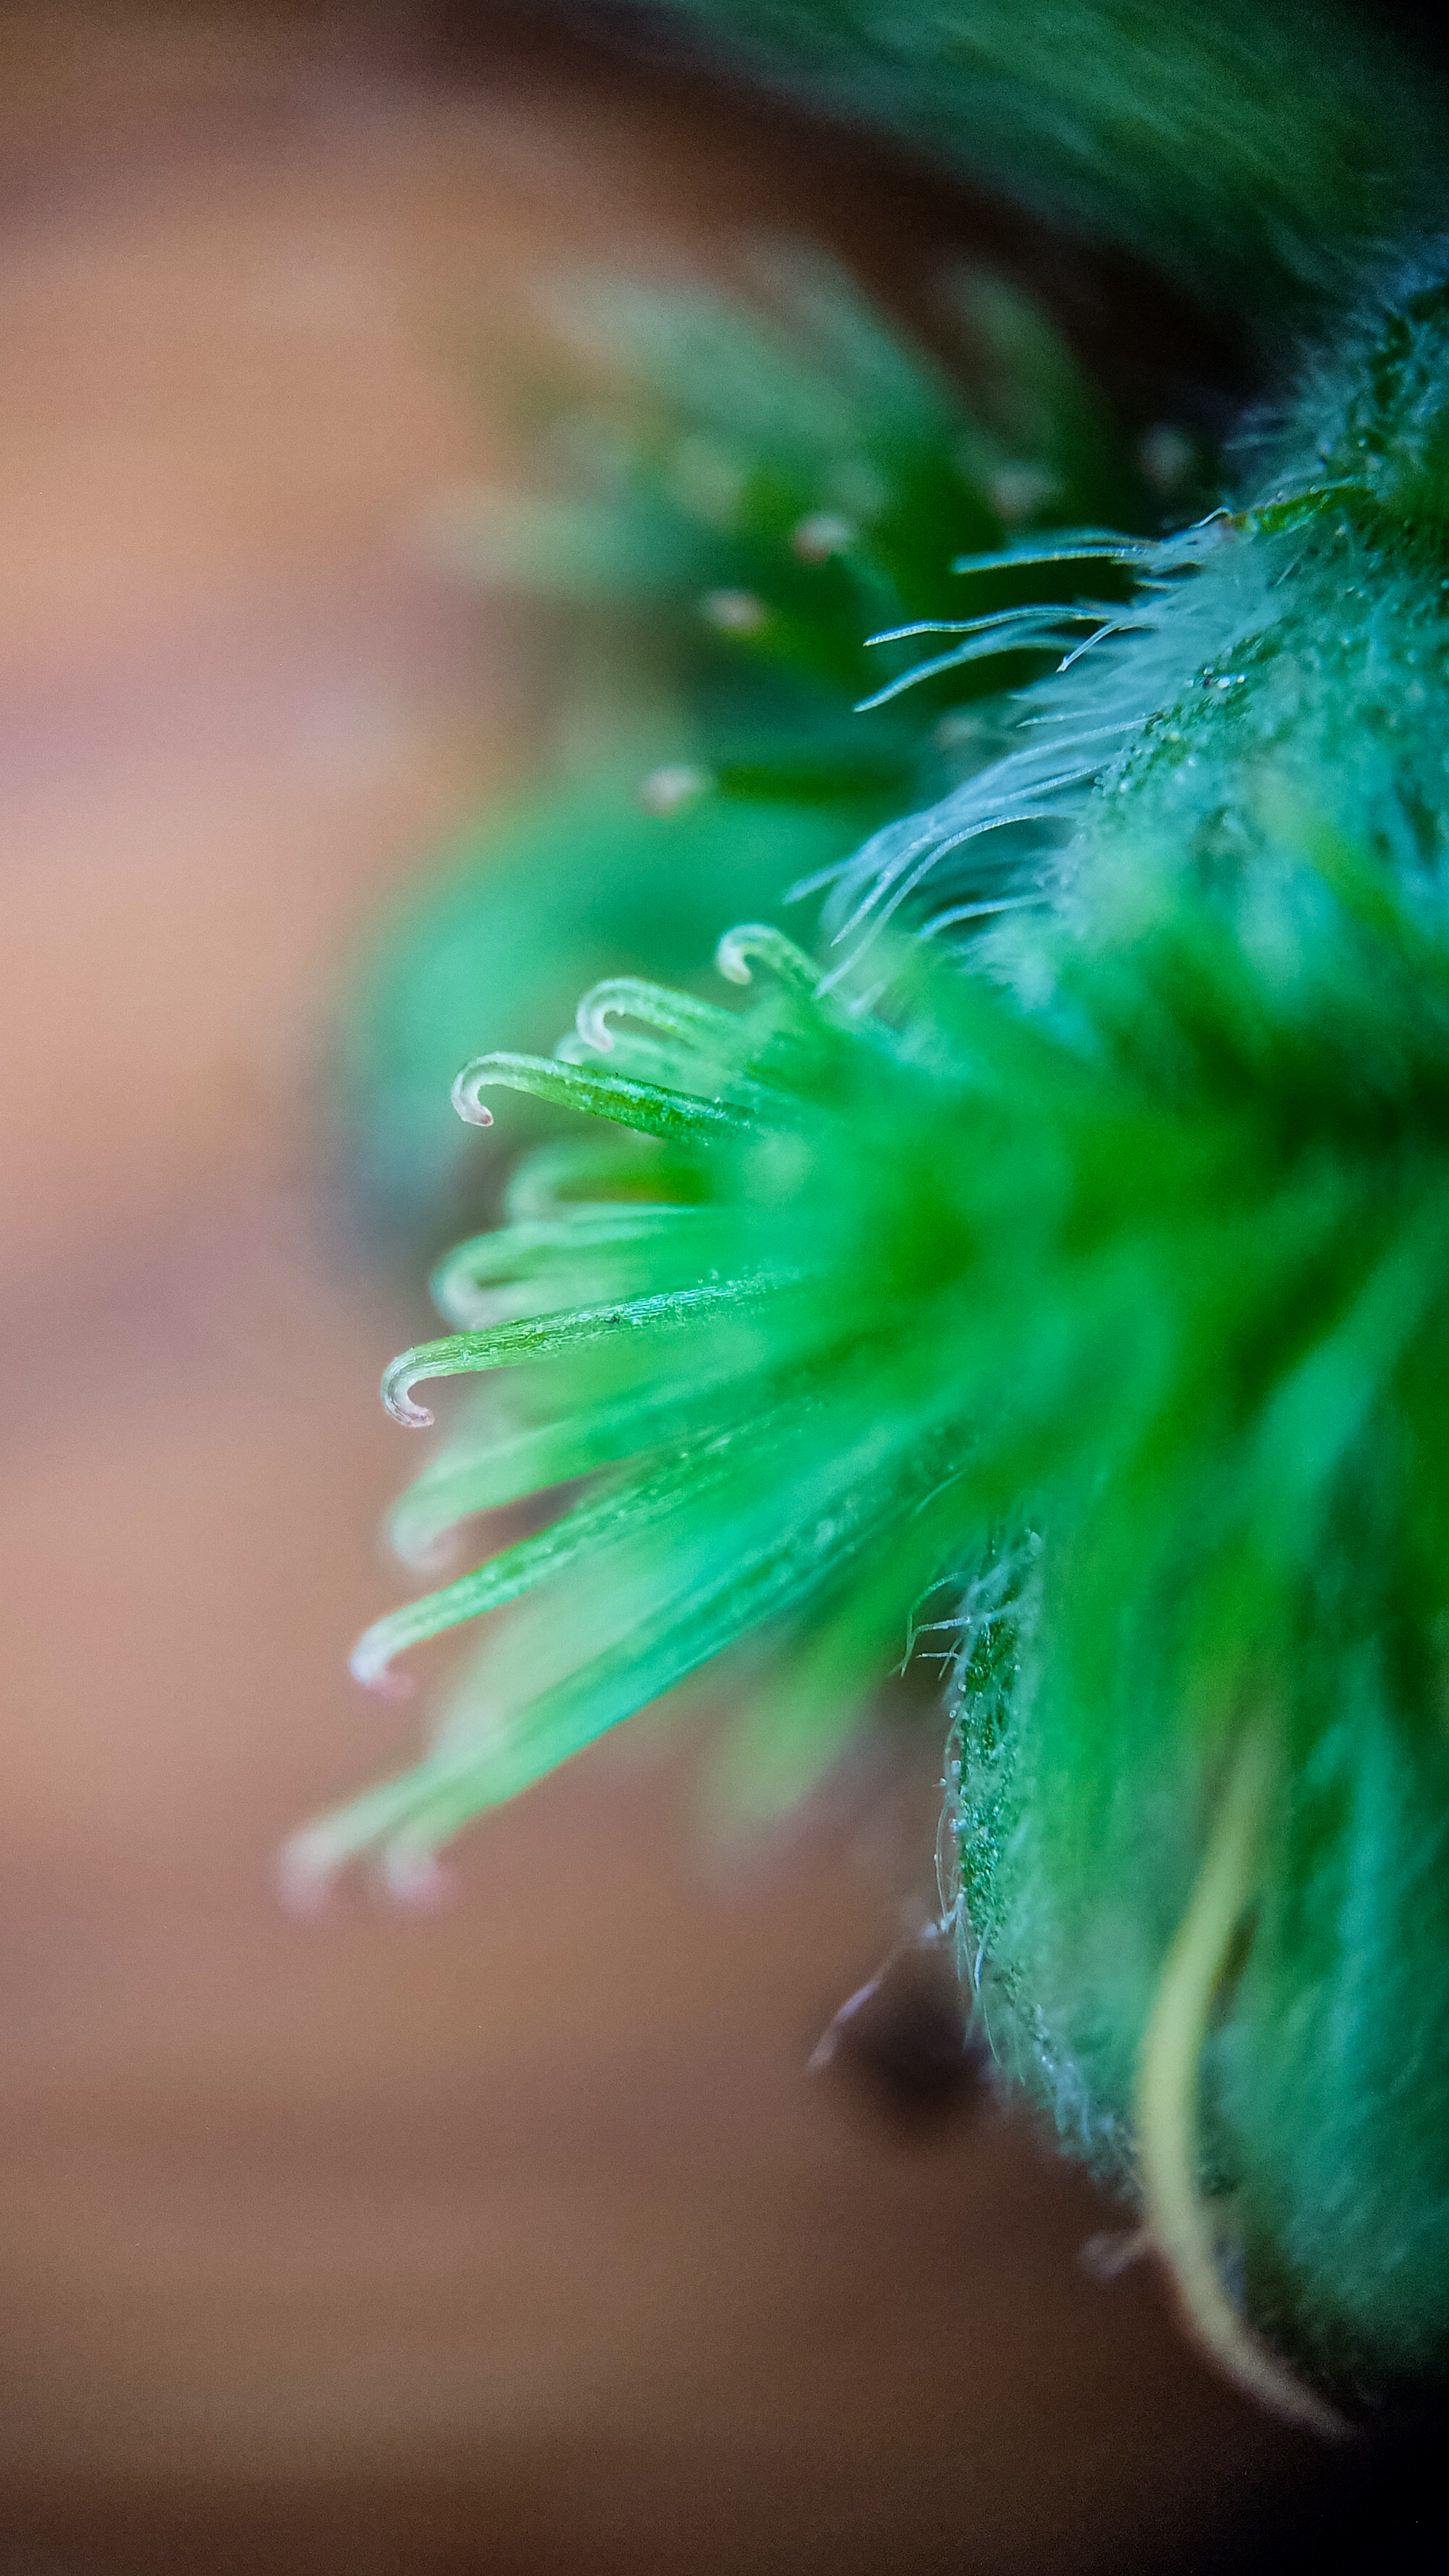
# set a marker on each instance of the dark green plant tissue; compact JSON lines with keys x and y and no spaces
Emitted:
{"x":1039,"y":1234}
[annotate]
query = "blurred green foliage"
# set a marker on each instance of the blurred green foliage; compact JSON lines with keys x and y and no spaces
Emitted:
{"x":1251,"y":149}
{"x":733,"y":497}
{"x":1066,"y":1282}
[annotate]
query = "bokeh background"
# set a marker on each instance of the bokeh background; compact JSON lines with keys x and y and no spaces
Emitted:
{"x":511,"y":2235}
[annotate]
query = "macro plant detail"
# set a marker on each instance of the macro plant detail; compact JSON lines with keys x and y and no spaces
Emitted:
{"x":1057,"y":1261}
{"x":738,"y":489}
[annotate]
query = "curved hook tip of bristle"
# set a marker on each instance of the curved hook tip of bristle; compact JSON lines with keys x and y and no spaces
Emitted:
{"x":397,"y":1381}
{"x":304,"y":1875}
{"x":759,"y":942}
{"x":414,"y":1878}
{"x":475,"y":1112}
{"x":591,"y":1022}
{"x":371,"y":1664}
{"x":732,"y":956}
{"x":428,"y":1551}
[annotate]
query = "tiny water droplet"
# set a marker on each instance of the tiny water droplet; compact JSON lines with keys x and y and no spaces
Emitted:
{"x":823,"y":534}
{"x":667,"y":790}
{"x":734,"y":612}
{"x":1167,"y":457}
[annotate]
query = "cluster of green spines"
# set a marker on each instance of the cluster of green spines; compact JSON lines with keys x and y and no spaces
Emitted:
{"x":738,"y":491}
{"x":1284,"y":657}
{"x":1068,"y":1275}
{"x":1098,"y":1289}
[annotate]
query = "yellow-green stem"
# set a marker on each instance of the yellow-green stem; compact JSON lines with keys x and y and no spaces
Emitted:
{"x":1178,"y":2217}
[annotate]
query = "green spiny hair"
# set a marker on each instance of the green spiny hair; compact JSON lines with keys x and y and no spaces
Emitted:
{"x":1076,"y":1274}
{"x":741,"y":484}
{"x":737,"y":489}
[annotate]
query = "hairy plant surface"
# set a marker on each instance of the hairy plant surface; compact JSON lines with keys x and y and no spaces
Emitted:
{"x":1059,"y":1263}
{"x":736,"y":490}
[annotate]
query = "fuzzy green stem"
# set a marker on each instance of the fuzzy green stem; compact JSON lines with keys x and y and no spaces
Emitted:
{"x":1177,"y":2215}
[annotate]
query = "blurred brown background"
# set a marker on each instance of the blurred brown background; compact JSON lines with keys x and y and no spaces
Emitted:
{"x":512,"y":2237}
